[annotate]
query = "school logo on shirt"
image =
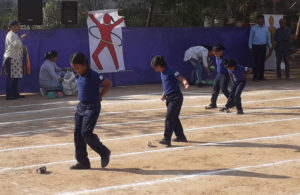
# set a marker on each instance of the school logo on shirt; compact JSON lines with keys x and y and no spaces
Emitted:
{"x":176,"y":74}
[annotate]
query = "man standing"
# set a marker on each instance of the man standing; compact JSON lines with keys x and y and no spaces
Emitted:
{"x":13,"y":60}
{"x":282,"y":38}
{"x":259,"y":39}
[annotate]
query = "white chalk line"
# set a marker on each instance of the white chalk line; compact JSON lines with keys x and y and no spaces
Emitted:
{"x":149,"y":134}
{"x":178,"y":177}
{"x":150,"y":151}
{"x":73,"y":107}
{"x":76,"y":101}
{"x":138,"y":122}
{"x":143,"y":110}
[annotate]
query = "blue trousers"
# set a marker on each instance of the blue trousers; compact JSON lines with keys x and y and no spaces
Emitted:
{"x":198,"y":69}
{"x":259,"y":53}
{"x":285,"y":57}
{"x":220,"y":83}
{"x":11,"y":83}
{"x":85,"y":121}
{"x":172,"y":123}
{"x":234,"y":98}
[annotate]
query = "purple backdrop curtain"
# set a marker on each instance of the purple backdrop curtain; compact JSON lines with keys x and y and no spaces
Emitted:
{"x":140,"y":45}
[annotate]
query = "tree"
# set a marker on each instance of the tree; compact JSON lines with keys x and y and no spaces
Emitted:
{"x":50,"y":15}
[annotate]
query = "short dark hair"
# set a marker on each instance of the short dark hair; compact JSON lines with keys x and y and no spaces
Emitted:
{"x":260,"y":17}
{"x":208,"y":47}
{"x":218,"y":47}
{"x":158,"y":61}
{"x":13,"y":23}
{"x":50,"y":54}
{"x":228,"y":63}
{"x":78,"y":58}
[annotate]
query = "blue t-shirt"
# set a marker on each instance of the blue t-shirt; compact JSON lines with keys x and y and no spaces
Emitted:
{"x":239,"y":74}
{"x":219,"y":65}
{"x":169,"y":80}
{"x":88,"y":87}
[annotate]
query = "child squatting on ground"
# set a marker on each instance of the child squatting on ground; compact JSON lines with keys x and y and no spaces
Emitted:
{"x":171,"y":93}
{"x":238,"y":75}
{"x":88,"y":111}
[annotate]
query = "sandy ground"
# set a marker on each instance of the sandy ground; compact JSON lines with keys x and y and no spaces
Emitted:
{"x":255,"y":153}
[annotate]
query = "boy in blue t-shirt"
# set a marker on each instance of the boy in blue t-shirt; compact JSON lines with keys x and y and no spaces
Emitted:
{"x":88,"y":111}
{"x":221,"y":80}
{"x":238,"y":75}
{"x":174,"y":98}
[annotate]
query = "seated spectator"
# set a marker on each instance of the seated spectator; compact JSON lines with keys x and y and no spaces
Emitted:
{"x":51,"y":76}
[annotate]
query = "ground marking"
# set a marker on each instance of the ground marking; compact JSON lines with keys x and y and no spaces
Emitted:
{"x":178,"y":177}
{"x":144,"y":110}
{"x":150,"y":151}
{"x":134,"y":122}
{"x":150,"y":134}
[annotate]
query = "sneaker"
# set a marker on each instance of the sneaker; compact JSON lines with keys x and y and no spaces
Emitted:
{"x":240,"y":112}
{"x":105,"y":159}
{"x":59,"y":94}
{"x":165,"y":142}
{"x":80,"y":166}
{"x":224,"y":110}
{"x":11,"y":98}
{"x":20,"y":96}
{"x":210,"y":107}
{"x":180,"y":139}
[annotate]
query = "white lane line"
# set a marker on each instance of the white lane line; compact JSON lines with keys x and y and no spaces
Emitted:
{"x":178,"y":177}
{"x":75,"y":101}
{"x":146,"y":94}
{"x":37,"y":111}
{"x":129,"y":101}
{"x":139,"y":122}
{"x":143,"y":110}
{"x":149,"y":134}
{"x":152,"y":151}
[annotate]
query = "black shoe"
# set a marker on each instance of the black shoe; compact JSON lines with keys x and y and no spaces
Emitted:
{"x":180,"y":139}
{"x":240,"y":112}
{"x":105,"y":159}
{"x":20,"y":96}
{"x":80,"y":166}
{"x":224,"y":110}
{"x":210,"y":107}
{"x":165,"y":142}
{"x":11,"y":98}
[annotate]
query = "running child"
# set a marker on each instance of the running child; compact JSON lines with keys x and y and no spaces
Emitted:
{"x":221,"y":79}
{"x":171,"y":93}
{"x":238,"y":75}
{"x":88,"y":111}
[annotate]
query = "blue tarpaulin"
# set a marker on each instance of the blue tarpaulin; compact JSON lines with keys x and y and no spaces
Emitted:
{"x":139,"y":46}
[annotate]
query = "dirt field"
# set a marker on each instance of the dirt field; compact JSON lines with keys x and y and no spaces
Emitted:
{"x":255,"y":153}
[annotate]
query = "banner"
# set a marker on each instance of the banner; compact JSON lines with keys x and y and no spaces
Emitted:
{"x":272,"y":22}
{"x":105,"y":40}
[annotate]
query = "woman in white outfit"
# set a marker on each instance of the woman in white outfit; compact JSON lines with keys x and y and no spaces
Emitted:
{"x":13,"y":60}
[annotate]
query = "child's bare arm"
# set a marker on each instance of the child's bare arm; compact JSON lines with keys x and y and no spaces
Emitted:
{"x":163,"y":97}
{"x":231,"y":77}
{"x":249,"y":71}
{"x":107,"y":84}
{"x":184,"y":82}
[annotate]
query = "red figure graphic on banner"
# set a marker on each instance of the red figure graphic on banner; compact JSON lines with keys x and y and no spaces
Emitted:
{"x":105,"y":41}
